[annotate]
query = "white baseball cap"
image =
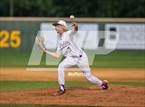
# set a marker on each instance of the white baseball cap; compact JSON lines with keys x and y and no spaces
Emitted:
{"x":60,"y":22}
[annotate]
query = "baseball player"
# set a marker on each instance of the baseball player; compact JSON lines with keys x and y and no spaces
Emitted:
{"x":73,"y":54}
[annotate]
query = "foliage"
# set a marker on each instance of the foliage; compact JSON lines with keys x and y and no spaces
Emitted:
{"x":80,"y":8}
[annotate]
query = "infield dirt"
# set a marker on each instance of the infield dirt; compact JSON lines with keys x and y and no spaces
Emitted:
{"x":93,"y":95}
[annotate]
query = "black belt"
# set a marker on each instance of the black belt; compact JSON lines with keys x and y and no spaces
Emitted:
{"x":77,"y":56}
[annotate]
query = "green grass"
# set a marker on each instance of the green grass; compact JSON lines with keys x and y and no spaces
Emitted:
{"x":27,"y":85}
{"x":118,"y":58}
{"x":14,"y":58}
{"x":121,"y":59}
{"x":129,"y":83}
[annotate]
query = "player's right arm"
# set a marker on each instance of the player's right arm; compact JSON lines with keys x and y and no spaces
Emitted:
{"x":74,"y":27}
{"x":73,"y":30}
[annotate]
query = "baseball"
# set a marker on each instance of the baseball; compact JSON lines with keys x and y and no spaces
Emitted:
{"x":72,"y":17}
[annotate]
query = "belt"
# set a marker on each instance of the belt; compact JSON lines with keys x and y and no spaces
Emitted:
{"x":77,"y":56}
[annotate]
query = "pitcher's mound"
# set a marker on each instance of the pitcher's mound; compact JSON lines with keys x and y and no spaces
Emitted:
{"x":114,"y":96}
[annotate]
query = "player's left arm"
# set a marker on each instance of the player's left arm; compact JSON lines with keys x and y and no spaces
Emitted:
{"x":53,"y":54}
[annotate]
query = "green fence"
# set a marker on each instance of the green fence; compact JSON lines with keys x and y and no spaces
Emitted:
{"x":17,"y":39}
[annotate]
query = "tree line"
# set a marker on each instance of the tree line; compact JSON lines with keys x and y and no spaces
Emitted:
{"x":79,"y":8}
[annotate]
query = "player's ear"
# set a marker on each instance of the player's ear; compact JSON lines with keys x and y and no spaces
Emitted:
{"x":65,"y":28}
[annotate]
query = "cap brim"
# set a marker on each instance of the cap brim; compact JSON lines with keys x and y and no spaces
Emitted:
{"x":55,"y":24}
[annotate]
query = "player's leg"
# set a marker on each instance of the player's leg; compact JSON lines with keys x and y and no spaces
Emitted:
{"x":84,"y":66}
{"x":67,"y":62}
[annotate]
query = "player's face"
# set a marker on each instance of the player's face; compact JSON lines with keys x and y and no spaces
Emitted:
{"x":59,"y":29}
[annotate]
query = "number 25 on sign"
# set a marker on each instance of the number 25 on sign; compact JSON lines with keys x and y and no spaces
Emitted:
{"x":10,"y":39}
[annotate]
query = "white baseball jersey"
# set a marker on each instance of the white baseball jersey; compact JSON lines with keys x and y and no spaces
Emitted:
{"x":74,"y":56}
{"x":67,"y":45}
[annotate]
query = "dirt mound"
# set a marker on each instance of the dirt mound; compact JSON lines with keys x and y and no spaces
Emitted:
{"x":115,"y":96}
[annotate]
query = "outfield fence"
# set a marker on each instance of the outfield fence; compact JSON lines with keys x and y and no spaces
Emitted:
{"x":95,"y":34}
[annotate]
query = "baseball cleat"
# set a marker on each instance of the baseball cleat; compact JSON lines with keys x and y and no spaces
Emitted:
{"x":59,"y":92}
{"x":105,"y":86}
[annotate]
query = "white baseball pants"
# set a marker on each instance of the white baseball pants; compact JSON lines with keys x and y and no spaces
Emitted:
{"x":82,"y":63}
